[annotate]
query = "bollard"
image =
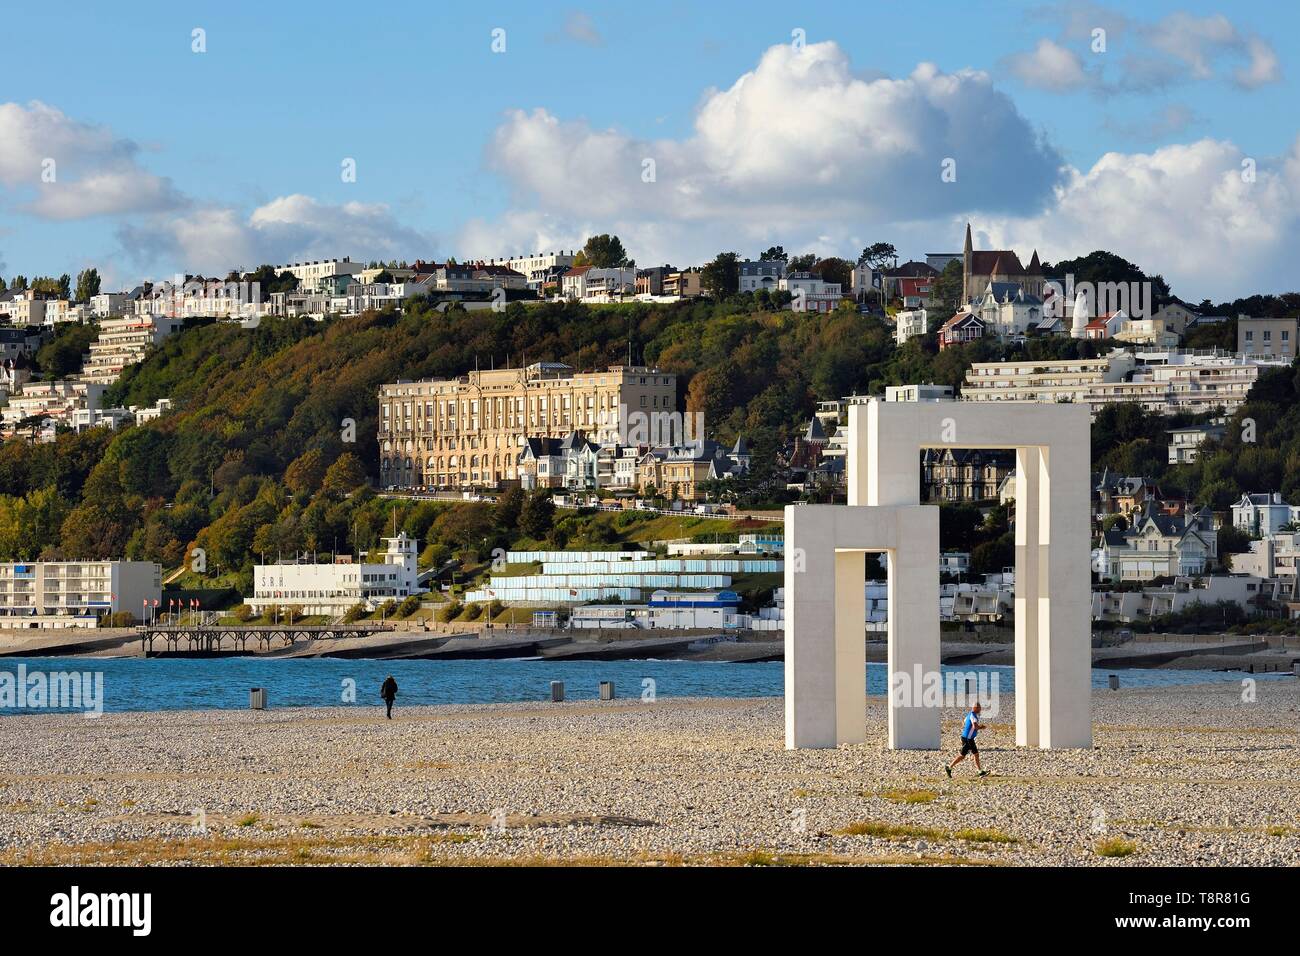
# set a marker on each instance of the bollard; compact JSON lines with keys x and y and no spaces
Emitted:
{"x":257,"y":698}
{"x":607,"y":690}
{"x":1114,"y":682}
{"x":557,"y":690}
{"x":1295,"y":668}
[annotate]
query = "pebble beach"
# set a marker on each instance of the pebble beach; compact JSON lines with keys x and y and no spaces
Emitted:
{"x":1188,"y":776}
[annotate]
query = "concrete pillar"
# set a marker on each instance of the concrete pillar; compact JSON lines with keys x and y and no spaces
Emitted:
{"x":810,"y":633}
{"x":1028,"y":677}
{"x":1065,"y":598}
{"x":914,"y":632}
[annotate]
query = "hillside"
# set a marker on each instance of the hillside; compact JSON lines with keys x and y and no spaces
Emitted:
{"x":253,"y":460}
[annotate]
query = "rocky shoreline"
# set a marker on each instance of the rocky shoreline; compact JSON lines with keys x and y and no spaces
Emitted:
{"x":1192,"y":776}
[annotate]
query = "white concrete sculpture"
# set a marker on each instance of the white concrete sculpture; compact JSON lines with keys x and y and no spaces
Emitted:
{"x":825,"y":656}
{"x":825,"y":615}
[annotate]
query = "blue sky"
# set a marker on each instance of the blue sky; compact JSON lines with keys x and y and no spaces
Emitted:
{"x":171,"y":159}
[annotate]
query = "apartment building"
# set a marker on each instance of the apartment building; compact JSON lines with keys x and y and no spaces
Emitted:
{"x":535,"y":267}
{"x":56,"y":403}
{"x":1160,"y":381}
{"x":331,"y":589}
{"x":471,"y":430}
{"x":124,"y":342}
{"x":310,"y":273}
{"x":59,"y":311}
{"x":41,"y":594}
{"x":107,"y":305}
{"x":910,"y":323}
{"x":686,"y":284}
{"x":1185,"y":443}
{"x":608,"y":285}
{"x":26,"y":307}
{"x":1275,"y":338}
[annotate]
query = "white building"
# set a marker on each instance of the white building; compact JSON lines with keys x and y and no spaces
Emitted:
{"x":918,"y":393}
{"x":108,"y":305}
{"x":124,"y":342}
{"x":331,"y":589}
{"x":1263,"y":515}
{"x":609,"y":285}
{"x":535,"y":267}
{"x":1277,"y":556}
{"x":24,"y":308}
{"x":57,"y":402}
{"x":909,"y":324}
{"x":1160,"y":381}
{"x":1185,"y":443}
{"x":42,"y":594}
{"x":810,"y":293}
{"x":310,"y":274}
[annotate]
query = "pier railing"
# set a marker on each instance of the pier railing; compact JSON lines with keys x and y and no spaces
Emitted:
{"x":235,"y":637}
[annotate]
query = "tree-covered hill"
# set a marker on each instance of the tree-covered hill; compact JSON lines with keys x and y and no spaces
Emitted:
{"x":253,"y":459}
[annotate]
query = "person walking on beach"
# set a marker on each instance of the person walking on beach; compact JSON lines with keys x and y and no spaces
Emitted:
{"x":388,"y":691}
{"x":969,"y":728}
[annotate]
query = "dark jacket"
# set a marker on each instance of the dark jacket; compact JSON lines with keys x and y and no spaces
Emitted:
{"x":389,"y":689}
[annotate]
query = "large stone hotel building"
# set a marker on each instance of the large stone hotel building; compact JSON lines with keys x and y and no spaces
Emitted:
{"x":468,"y":431}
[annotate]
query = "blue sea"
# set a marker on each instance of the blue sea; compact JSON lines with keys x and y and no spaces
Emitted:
{"x":136,"y":684}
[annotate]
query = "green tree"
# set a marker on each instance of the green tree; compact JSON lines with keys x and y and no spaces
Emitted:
{"x":721,"y":277}
{"x":87,"y":284}
{"x":605,"y":252}
{"x":877,"y":255}
{"x":537,"y":515}
{"x":345,"y":476}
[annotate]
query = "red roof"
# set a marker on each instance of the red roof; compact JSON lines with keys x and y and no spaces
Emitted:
{"x":914,"y":286}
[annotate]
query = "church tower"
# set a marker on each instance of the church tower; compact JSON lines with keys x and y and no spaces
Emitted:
{"x":966,"y":294}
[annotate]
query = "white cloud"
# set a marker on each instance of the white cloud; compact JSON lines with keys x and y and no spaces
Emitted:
{"x":804,"y":152}
{"x":1184,"y":211}
{"x":215,"y":239}
{"x":1051,"y":67}
{"x":1143,"y":56}
{"x":800,"y":145}
{"x":93,"y":171}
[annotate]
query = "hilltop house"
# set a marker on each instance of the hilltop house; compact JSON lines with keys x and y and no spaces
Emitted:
{"x":1160,"y":545}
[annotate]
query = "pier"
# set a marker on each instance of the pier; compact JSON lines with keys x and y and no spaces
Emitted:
{"x":210,"y":638}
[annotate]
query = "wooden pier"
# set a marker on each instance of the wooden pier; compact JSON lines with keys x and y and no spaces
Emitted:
{"x":210,"y":638}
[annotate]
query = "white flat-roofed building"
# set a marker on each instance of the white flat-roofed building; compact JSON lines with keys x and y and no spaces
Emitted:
{"x":331,"y":589}
{"x":918,"y":393}
{"x":910,"y":323}
{"x":1162,"y":381}
{"x":124,"y":342}
{"x":57,"y":402}
{"x":309,"y":274}
{"x":39,"y":594}
{"x":108,"y":305}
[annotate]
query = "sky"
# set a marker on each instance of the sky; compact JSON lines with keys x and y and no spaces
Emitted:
{"x":150,"y":138}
